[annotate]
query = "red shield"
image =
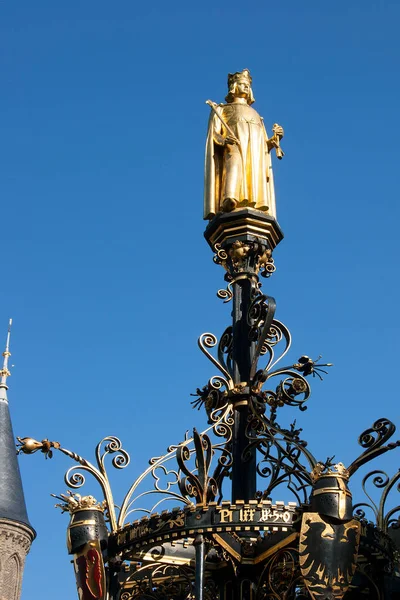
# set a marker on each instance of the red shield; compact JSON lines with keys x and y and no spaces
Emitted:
{"x":90,"y":573}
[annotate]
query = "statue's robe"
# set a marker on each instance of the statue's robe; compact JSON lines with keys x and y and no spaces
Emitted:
{"x":257,"y":186}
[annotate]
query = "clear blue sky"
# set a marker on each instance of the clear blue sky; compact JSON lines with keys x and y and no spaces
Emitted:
{"x":105,"y":270}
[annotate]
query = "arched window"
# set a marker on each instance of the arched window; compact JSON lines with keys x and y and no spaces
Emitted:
{"x":10,"y":580}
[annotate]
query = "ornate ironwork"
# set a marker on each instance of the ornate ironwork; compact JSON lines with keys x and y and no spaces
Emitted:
{"x":200,"y":486}
{"x":240,"y":257}
{"x":373,"y":440}
{"x":208,"y":340}
{"x":182,"y":483}
{"x":160,"y":581}
{"x":192,"y":473}
{"x":384,"y":517}
{"x":218,"y":545}
{"x":74,"y":478}
{"x":280,"y":575}
{"x":157,"y":581}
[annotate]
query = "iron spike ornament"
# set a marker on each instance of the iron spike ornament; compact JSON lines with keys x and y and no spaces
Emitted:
{"x":226,"y":536}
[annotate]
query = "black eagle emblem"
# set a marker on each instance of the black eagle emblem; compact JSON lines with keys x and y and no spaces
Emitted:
{"x":328,"y":553}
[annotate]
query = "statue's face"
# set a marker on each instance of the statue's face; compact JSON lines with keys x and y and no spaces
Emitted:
{"x":242,"y":89}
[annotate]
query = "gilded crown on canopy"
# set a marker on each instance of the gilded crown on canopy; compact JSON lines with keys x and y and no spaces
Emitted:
{"x":239,"y":76}
{"x":73,"y":503}
{"x":322,"y":470}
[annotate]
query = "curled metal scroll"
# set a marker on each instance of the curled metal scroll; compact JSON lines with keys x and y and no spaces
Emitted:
{"x":277,"y":333}
{"x":261,"y":313}
{"x":383,"y":516}
{"x":226,"y":294}
{"x":74,"y":477}
{"x":209,"y":340}
{"x":373,"y":440}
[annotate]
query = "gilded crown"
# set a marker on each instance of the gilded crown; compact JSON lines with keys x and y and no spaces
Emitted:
{"x":239,"y":76}
{"x":74,"y":502}
{"x":322,"y":470}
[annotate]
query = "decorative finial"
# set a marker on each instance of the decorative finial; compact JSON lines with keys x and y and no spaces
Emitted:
{"x":4,"y":372}
{"x":28,"y":445}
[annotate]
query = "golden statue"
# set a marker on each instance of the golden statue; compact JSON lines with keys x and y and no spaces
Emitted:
{"x":238,"y":171}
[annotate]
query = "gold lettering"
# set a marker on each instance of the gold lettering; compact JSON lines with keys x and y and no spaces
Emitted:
{"x":275,"y":515}
{"x":266,"y":514}
{"x":246,"y":514}
{"x":226,"y":515}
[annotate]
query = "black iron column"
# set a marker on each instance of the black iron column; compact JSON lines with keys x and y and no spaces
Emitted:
{"x":199,"y":575}
{"x":243,"y":242}
{"x":244,"y":462}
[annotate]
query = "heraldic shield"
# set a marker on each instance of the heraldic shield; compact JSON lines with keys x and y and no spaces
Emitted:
{"x":90,"y":573}
{"x":328,"y":554}
{"x":87,"y":538}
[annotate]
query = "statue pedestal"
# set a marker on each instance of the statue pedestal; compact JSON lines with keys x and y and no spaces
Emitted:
{"x":244,"y":225}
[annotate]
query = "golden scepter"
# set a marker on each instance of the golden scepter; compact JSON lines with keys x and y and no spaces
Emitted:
{"x":279,"y":152}
{"x":213,"y":106}
{"x":229,"y":130}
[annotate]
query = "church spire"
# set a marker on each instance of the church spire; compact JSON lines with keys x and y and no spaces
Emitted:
{"x":4,"y":372}
{"x":16,"y":533}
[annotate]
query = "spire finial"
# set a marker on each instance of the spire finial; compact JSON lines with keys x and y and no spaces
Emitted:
{"x":4,"y":372}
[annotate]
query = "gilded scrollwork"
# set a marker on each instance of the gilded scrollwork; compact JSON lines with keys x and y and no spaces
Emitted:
{"x":227,"y":294}
{"x":173,"y":480}
{"x":266,"y":264}
{"x":220,"y":255}
{"x":74,"y":478}
{"x":177,"y":478}
{"x":252,"y":257}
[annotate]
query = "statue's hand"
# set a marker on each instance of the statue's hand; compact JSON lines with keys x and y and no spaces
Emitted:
{"x":278,"y":131}
{"x":231,"y":140}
